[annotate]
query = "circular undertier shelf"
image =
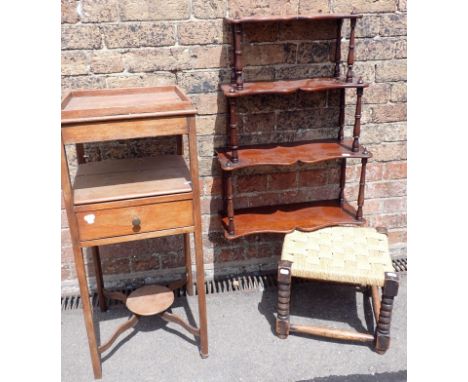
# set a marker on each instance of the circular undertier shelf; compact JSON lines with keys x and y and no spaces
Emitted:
{"x":149,"y":300}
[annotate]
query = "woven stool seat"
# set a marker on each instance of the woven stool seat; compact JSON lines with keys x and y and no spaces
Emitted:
{"x":356,"y":255}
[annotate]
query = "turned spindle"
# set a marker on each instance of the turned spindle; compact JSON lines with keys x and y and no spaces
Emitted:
{"x":238,"y":56}
{"x":342,"y":180}
{"x":233,"y":59}
{"x":284,"y":295}
{"x":341,"y":119}
{"x":362,"y":184}
{"x":390,"y":290}
{"x":352,"y":37}
{"x":233,"y":132}
{"x":229,"y":201}
{"x":357,"y":119}
{"x":339,"y":24}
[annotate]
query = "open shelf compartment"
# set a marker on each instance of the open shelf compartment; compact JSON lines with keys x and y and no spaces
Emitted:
{"x":288,"y":217}
{"x":119,"y":179}
{"x":290,"y":86}
{"x":286,"y":154}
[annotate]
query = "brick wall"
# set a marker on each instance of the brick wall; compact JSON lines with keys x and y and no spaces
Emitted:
{"x":111,"y":43}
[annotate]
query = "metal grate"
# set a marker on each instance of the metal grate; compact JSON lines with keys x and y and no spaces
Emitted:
{"x":225,"y":284}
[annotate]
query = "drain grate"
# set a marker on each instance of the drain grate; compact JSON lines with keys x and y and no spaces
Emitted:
{"x":226,"y":284}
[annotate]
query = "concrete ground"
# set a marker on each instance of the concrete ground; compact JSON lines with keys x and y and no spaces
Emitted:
{"x":242,"y":343}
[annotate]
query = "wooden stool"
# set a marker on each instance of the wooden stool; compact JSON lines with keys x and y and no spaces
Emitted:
{"x":352,"y":255}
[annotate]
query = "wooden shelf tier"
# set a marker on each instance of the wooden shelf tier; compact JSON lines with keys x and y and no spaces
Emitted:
{"x":316,"y":16}
{"x":286,"y":218}
{"x":119,"y":179}
{"x":291,"y":86}
{"x":287,"y":154}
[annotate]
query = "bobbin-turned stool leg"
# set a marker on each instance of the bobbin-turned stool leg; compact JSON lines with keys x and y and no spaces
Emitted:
{"x":284,"y":293}
{"x":382,"y":334}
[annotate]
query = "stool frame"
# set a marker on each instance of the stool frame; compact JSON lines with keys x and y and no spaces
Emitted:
{"x":382,"y":307}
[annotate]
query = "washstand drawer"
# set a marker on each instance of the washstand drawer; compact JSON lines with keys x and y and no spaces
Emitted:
{"x":103,"y":223}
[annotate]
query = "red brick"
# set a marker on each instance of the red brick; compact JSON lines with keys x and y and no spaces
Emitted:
{"x":66,"y":238}
{"x":269,"y":54}
{"x":311,"y":178}
{"x":64,"y":219}
{"x":262,"y":7}
{"x":138,"y":10}
{"x":96,"y":11}
{"x":397,"y":236}
{"x":116,"y":265}
{"x":389,"y":221}
{"x":394,"y":205}
{"x":229,"y":254}
{"x":386,"y":189}
{"x":81,"y":37}
{"x":144,"y":263}
{"x":395,"y":170}
{"x":366,"y":6}
{"x":69,"y":11}
{"x":212,"y":186}
{"x":282,"y":181}
{"x":251,"y":183}
{"x":203,"y":9}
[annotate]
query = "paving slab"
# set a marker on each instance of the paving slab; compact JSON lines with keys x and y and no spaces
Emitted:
{"x":242,"y":343}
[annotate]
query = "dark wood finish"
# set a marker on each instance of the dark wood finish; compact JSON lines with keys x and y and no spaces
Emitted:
{"x":352,"y":44}
{"x":341,"y":120}
{"x":284,"y":293}
{"x":342,"y":181}
{"x":357,"y":120}
{"x":286,"y":218}
{"x":125,"y":200}
{"x":80,"y":153}
{"x":382,"y":334}
{"x":362,"y":184}
{"x":99,"y":278}
{"x":150,"y":300}
{"x":311,"y":17}
{"x":286,"y":154}
{"x":188,"y":264}
{"x":332,"y":333}
{"x":339,"y":24}
{"x":289,"y":86}
{"x":101,"y":104}
{"x":238,"y":56}
{"x":229,"y":203}
{"x":233,"y":132}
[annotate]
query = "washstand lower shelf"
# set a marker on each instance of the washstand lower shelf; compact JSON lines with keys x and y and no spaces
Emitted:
{"x":148,"y":300}
{"x":288,"y":217}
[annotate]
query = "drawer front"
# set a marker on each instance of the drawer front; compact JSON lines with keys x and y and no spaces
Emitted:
{"x":131,"y":220}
